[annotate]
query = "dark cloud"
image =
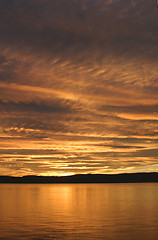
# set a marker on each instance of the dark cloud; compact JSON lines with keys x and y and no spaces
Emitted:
{"x":29,"y":151}
{"x":54,"y":107}
{"x":139,"y":109}
{"x":118,"y":146}
{"x":67,"y":28}
{"x":146,"y":153}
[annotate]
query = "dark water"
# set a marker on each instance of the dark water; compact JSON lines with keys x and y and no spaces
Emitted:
{"x":79,"y":211}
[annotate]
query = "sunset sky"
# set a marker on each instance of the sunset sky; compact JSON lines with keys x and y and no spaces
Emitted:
{"x":78,"y":87}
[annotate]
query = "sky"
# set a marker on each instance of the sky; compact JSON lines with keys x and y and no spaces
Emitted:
{"x":78,"y":87}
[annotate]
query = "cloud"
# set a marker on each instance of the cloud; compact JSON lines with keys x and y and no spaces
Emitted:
{"x":78,"y":86}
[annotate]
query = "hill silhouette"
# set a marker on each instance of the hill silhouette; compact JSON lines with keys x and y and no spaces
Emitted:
{"x":85,"y":178}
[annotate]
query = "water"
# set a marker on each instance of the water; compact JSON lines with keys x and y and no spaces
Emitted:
{"x":79,"y":211}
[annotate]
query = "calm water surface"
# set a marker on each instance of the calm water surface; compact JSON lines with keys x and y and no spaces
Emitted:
{"x":79,"y":211}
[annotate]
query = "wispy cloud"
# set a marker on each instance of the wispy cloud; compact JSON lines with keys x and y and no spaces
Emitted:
{"x":78,"y":86}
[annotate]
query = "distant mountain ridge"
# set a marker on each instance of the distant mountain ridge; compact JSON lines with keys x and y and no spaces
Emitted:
{"x":85,"y":178}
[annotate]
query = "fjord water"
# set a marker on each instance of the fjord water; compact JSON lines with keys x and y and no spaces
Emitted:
{"x":79,"y":211}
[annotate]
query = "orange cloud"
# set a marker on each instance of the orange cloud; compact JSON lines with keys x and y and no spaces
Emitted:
{"x":78,"y":87}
